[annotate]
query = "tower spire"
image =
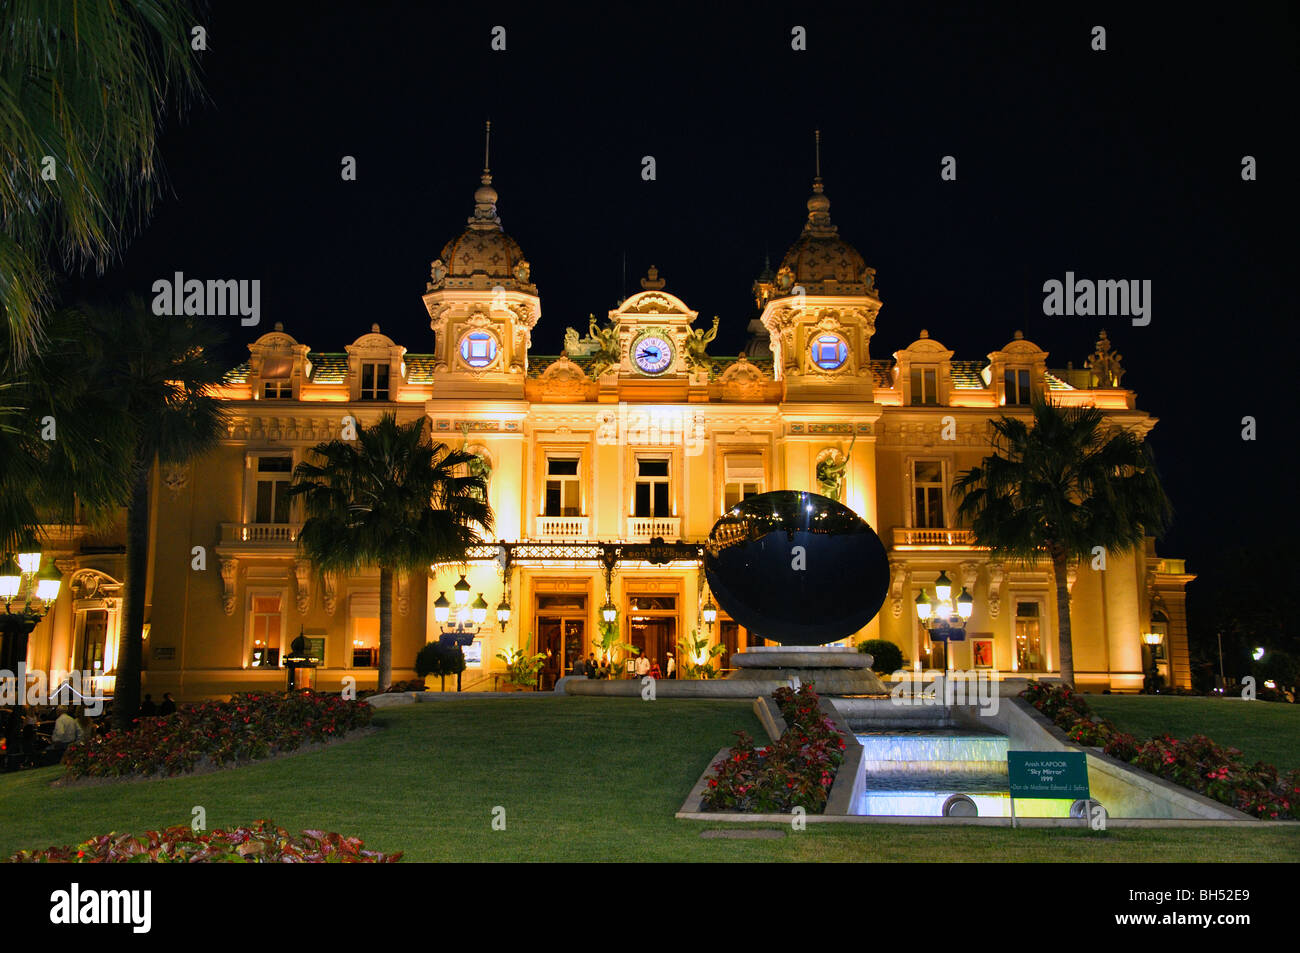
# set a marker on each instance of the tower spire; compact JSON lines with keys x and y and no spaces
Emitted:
{"x":485,"y":197}
{"x":819,"y":215}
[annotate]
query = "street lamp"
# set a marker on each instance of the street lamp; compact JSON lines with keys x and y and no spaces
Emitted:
{"x":945,"y":617}
{"x":21,"y":582}
{"x":710,"y":613}
{"x":469,"y":617}
{"x":1152,"y":639}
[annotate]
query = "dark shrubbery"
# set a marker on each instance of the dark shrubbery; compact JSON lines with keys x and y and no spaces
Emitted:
{"x":440,"y":660}
{"x":887,"y":658}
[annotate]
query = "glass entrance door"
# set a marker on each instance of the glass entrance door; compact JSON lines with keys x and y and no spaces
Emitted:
{"x":561,"y":634}
{"x":654,"y":629}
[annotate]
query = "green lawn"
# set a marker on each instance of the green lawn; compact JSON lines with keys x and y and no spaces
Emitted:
{"x":1264,"y":731}
{"x":579,"y":778}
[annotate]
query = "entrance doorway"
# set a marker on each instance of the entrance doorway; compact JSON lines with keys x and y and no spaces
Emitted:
{"x":561,"y":634}
{"x":654,"y":628}
{"x":735,"y":638}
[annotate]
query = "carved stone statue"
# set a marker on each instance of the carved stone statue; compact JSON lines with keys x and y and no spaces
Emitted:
{"x":697,"y":339}
{"x":1104,"y":364}
{"x":606,"y":353}
{"x":437,"y":274}
{"x":831,"y":470}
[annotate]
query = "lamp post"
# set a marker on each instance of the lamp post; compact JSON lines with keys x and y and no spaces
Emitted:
{"x":469,"y":619}
{"x":22,"y":583}
{"x":1152,"y":639}
{"x":945,"y":617}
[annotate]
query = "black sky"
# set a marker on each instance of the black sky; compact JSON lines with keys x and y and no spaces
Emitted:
{"x":1117,"y":164}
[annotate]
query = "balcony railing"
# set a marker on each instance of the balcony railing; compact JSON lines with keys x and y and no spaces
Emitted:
{"x":641,"y":528}
{"x":563,"y":527}
{"x":270,"y":533}
{"x":917,"y":536}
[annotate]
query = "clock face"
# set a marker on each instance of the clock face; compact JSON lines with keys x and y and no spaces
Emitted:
{"x":652,"y":354}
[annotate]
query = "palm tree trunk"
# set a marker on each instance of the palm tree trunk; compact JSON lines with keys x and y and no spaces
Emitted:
{"x":385,"y":629}
{"x":130,"y":655}
{"x":1066,"y":650}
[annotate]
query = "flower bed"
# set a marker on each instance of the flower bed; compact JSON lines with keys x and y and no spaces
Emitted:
{"x":216,"y":734}
{"x":1198,"y":763}
{"x":263,"y":843}
{"x":797,"y":770}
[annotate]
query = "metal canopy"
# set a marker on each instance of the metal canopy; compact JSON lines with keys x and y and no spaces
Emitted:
{"x":608,"y":555}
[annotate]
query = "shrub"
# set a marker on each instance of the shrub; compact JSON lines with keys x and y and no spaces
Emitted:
{"x":248,"y":727}
{"x":263,"y":843}
{"x":441,"y":660}
{"x":888,"y":657}
{"x":797,"y":770}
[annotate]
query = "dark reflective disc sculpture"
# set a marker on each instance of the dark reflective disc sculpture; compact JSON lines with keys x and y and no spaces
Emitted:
{"x":752,"y":564}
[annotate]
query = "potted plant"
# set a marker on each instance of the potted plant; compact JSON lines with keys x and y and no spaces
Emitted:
{"x":522,"y":668}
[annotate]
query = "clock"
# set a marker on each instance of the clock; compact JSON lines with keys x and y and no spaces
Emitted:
{"x":652,"y":353}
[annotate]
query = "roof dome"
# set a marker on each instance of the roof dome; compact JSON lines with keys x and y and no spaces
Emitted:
{"x":483,"y":256}
{"x":820,"y":261}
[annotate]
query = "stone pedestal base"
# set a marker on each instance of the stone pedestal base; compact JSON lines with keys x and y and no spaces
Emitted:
{"x":833,"y":670}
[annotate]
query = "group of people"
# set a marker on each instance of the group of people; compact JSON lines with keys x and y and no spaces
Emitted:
{"x":590,"y":668}
{"x":25,"y":746}
{"x":635,"y":669}
{"x":23,"y":743}
{"x":149,"y":709}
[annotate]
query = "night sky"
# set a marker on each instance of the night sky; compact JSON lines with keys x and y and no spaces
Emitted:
{"x":1117,"y":164}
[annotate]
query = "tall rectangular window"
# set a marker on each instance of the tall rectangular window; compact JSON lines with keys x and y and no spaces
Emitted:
{"x":925,"y":385}
{"x":927,"y":489}
{"x":271,"y":504}
{"x":374,"y":381}
{"x":265,"y":649}
{"x":563,"y":489}
{"x":1017,"y":387}
{"x":652,"y":487}
{"x":742,"y":476}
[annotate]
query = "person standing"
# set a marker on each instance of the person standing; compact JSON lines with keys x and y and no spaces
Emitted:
{"x":147,"y":707}
{"x":168,"y":705}
{"x":672,"y":666}
{"x":642,"y":667}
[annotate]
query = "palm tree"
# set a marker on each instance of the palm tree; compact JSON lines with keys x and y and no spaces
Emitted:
{"x":66,"y":455}
{"x":392,"y":499}
{"x":83,"y":92}
{"x":1061,"y":487}
{"x":160,"y":374}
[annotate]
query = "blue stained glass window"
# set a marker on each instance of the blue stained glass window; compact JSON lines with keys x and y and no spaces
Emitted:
{"x":478,"y":349}
{"x":829,"y":351}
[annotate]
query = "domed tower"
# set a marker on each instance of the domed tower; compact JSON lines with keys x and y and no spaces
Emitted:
{"x":820,"y":311}
{"x":482,"y":305}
